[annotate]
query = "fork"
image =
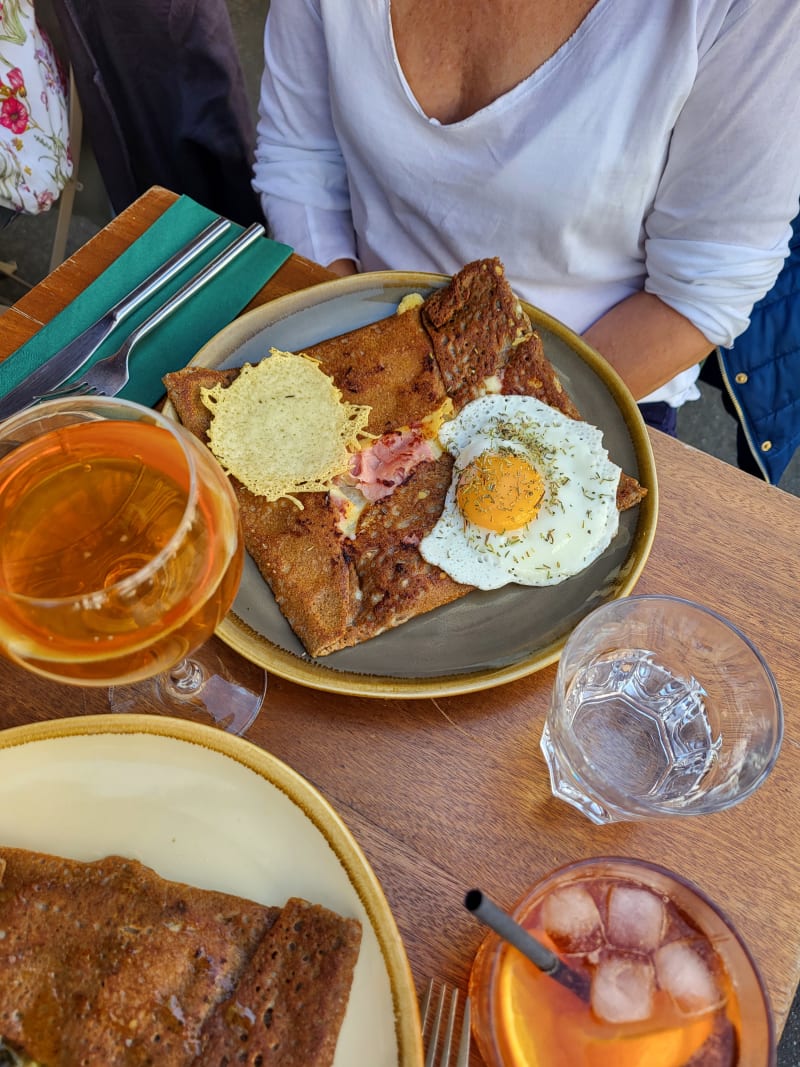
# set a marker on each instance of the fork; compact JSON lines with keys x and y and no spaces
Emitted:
{"x":108,"y":376}
{"x":432,"y":1017}
{"x":71,"y":358}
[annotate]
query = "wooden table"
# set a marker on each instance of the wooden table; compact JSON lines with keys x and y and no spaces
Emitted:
{"x":447,"y":794}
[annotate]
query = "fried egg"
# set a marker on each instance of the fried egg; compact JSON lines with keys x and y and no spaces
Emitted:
{"x":533,"y":498}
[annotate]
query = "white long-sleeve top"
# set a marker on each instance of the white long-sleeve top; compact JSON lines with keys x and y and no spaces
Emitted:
{"x":658,"y":148}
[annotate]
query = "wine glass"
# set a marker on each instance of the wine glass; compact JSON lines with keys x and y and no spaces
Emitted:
{"x":120,"y":553}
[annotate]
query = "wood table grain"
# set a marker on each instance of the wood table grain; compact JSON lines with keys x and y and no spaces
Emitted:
{"x":447,"y":794}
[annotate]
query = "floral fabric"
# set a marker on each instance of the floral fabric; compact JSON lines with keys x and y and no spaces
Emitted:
{"x":35,"y":159}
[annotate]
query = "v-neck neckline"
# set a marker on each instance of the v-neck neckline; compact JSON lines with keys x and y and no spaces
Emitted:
{"x":525,"y":84}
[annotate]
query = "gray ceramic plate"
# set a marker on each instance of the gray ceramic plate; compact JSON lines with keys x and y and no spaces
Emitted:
{"x":486,"y":638}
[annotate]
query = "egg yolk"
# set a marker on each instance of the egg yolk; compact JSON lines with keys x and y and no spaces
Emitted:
{"x":499,"y":491}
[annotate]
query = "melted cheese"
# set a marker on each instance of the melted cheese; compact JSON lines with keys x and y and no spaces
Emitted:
{"x":409,"y":302}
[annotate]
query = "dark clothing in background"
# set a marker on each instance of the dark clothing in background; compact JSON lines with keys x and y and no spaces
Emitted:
{"x":711,"y":375}
{"x":660,"y":416}
{"x":164,"y":99}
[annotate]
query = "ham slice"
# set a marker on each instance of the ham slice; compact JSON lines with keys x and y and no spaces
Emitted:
{"x":389,"y":462}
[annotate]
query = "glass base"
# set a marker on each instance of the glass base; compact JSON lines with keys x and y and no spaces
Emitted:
{"x":215,"y":686}
{"x":564,"y":785}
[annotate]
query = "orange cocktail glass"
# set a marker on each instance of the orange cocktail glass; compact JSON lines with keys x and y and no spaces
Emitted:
{"x":672,"y":983}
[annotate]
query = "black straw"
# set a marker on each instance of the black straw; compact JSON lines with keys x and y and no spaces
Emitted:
{"x":548,"y":962}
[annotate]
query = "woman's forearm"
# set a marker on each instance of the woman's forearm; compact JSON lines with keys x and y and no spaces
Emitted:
{"x":647,"y":342}
{"x":343,"y":267}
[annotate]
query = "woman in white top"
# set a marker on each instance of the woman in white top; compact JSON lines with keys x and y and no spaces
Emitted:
{"x":636,"y":166}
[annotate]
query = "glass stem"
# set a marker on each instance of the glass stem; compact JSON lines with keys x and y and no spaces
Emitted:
{"x":186,"y":678}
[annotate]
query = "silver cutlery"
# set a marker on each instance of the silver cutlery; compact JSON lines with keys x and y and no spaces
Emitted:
{"x":72,"y":357}
{"x":432,"y":1018}
{"x":108,"y":376}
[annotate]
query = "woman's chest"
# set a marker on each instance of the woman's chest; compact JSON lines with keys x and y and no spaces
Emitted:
{"x":458,"y":56}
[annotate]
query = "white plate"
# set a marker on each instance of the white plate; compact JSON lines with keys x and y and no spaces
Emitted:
{"x":485,"y":638}
{"x":214,"y":811}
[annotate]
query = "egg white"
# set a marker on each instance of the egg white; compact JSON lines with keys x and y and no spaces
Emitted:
{"x":578,"y":515}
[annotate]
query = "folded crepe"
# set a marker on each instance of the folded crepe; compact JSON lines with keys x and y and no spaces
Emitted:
{"x":337,"y":591}
{"x":106,"y":964}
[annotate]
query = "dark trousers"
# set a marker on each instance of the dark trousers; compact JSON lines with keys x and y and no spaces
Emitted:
{"x":661,"y":417}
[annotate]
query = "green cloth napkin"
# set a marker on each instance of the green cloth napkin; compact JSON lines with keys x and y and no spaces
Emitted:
{"x":176,"y":340}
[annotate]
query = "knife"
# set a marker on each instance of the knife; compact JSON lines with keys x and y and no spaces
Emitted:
{"x":109,"y":376}
{"x":73,"y":356}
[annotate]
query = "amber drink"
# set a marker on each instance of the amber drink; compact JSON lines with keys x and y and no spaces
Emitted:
{"x":117,"y":556}
{"x":671,"y":982}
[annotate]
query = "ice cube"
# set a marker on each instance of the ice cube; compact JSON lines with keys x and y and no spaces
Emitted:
{"x":686,"y":976}
{"x":622,"y":989}
{"x":636,"y":918}
{"x":571,"y":918}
